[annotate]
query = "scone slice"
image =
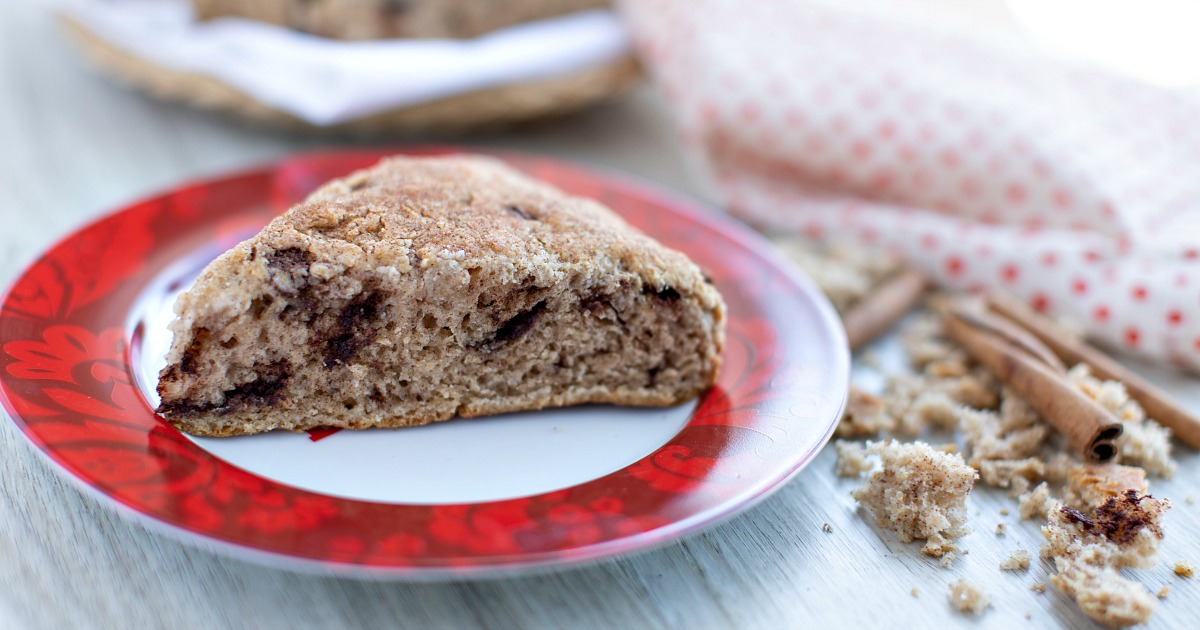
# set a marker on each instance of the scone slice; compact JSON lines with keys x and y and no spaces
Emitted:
{"x":422,"y":289}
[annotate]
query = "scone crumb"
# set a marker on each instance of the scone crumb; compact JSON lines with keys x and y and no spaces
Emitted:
{"x":1110,"y":394}
{"x":930,"y":409}
{"x":866,"y":416}
{"x":852,"y":460}
{"x":966,"y":597}
{"x":1038,"y":587}
{"x":1011,"y":435}
{"x":1089,"y":551}
{"x":1184,"y":569}
{"x":914,"y":591}
{"x":1102,"y":593}
{"x":920,"y":493}
{"x":827,"y":528}
{"x":1147,"y":445}
{"x":1162,"y":592}
{"x":1036,"y":502}
{"x":1190,"y":499}
{"x":1019,"y":486}
{"x":1123,"y":532}
{"x":946,"y":560}
{"x":1089,"y":485}
{"x":1058,"y":465}
{"x":1016,"y":561}
{"x":1004,"y":512}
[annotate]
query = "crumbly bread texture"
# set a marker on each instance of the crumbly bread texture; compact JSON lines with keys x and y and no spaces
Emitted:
{"x":1104,"y":594}
{"x":1005,"y":439}
{"x":1090,"y":485}
{"x":1016,"y":561}
{"x":967,"y":597}
{"x":1089,"y":551}
{"x":1125,"y":532}
{"x":865,"y":416}
{"x":379,"y":19}
{"x":1011,"y":473}
{"x":1036,"y":502}
{"x":919,"y":492}
{"x":943,"y":384}
{"x":852,"y":459}
{"x":1107,"y":523}
{"x":426,"y":288}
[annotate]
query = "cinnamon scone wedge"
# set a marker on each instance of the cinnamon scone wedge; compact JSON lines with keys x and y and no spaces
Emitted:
{"x":426,"y":288}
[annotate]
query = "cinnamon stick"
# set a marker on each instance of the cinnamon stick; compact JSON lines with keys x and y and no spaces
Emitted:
{"x":973,"y":313}
{"x":1159,"y":405}
{"x":1089,"y":428}
{"x":879,"y":309}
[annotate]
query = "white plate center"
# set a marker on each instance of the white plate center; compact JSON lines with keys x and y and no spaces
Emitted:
{"x":458,"y":461}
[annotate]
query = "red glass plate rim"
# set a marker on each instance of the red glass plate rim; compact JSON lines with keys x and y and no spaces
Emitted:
{"x":680,"y":206}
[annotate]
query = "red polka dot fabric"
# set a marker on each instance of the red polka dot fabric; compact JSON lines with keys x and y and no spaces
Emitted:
{"x":981,"y":160}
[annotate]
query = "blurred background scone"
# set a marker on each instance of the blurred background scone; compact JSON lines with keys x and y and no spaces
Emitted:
{"x":364,"y":67}
{"x":385,"y":19}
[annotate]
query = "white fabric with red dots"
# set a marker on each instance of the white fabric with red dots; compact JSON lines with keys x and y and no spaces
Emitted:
{"x":980,"y":159}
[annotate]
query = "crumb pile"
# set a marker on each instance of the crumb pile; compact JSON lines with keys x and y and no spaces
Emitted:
{"x":1089,"y":551}
{"x":919,"y":492}
{"x":1099,"y":518}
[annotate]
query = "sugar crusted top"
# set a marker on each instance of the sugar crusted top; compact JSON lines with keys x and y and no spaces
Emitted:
{"x":444,"y":216}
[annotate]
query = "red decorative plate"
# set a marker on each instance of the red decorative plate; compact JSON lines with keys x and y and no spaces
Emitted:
{"x":82,"y":332}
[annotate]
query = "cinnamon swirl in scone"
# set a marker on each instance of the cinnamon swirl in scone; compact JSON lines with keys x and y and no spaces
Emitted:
{"x":426,"y":288}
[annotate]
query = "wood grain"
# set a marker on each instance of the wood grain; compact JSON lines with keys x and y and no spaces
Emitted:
{"x":73,"y":146}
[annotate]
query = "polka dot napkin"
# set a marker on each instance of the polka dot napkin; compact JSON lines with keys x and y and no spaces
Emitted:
{"x":983,"y":161}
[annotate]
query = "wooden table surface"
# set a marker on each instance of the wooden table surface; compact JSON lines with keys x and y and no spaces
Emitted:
{"x":73,"y":146}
